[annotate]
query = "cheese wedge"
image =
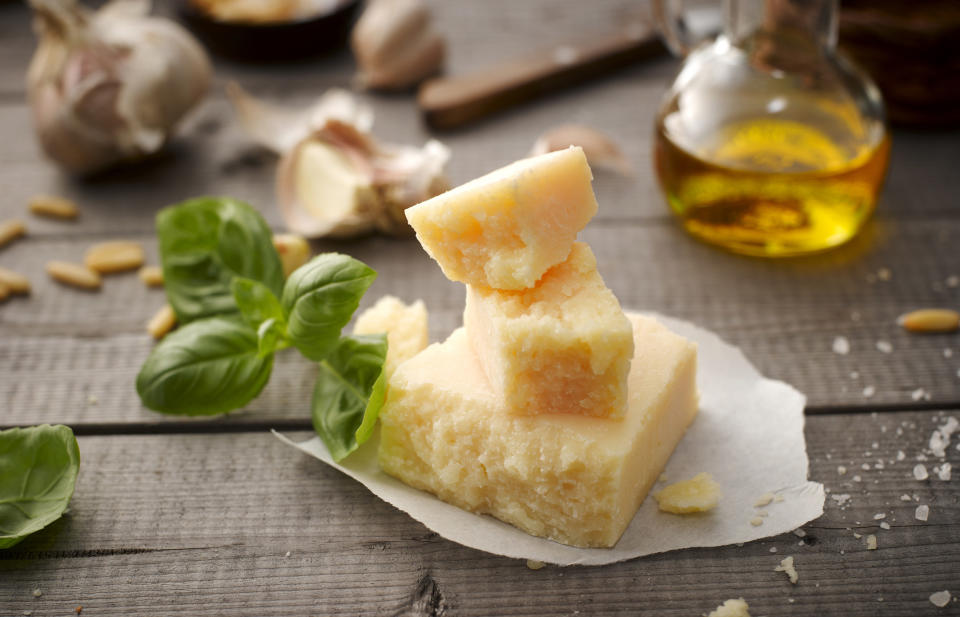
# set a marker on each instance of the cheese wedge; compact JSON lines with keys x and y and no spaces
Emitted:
{"x":574,"y":479}
{"x":505,"y":229}
{"x":405,"y":326}
{"x":563,"y":346}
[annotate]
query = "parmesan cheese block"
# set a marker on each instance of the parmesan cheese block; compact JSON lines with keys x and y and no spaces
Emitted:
{"x":574,"y":479}
{"x":563,"y":346}
{"x":405,"y":326}
{"x":505,"y":229}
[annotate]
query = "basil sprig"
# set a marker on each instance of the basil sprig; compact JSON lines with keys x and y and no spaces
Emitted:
{"x":39,"y":471}
{"x":223,"y":277}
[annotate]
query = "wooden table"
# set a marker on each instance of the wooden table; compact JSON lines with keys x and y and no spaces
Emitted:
{"x":218,"y":517}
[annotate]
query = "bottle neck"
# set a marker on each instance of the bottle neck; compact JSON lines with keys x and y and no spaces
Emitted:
{"x":794,"y":23}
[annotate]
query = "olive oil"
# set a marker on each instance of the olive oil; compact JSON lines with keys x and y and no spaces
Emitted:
{"x":771,"y":187}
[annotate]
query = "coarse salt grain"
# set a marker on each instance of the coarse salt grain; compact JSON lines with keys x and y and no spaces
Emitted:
{"x":945,"y":472}
{"x":920,"y":472}
{"x":879,"y":516}
{"x":940,"y":598}
{"x":841,"y":470}
{"x":869,"y":391}
{"x":854,"y":374}
{"x":922,"y":512}
{"x":857,"y":478}
{"x":799,"y":533}
{"x":773,"y":549}
{"x":904,"y":497}
{"x":841,"y":345}
{"x":947,"y":353}
{"x":940,"y":438}
{"x":918,"y":394}
{"x":884,"y":525}
{"x":884,"y":346}
{"x":901,"y":455}
{"x":841,"y":499}
{"x":865,"y":467}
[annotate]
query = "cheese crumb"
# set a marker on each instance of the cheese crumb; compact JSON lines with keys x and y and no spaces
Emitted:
{"x":841,"y":345}
{"x":37,"y":593}
{"x":871,"y":542}
{"x":778,"y":499}
{"x":940,"y":598}
{"x":800,"y":533}
{"x":764,"y":500}
{"x":920,"y":472}
{"x":698,"y":494}
{"x":786,"y":566}
{"x":756,"y":521}
{"x":841,"y":470}
{"x":922,"y":512}
{"x":533,"y":564}
{"x":735,"y":607}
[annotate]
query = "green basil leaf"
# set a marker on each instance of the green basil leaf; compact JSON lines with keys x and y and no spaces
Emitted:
{"x":271,"y":337}
{"x":207,"y":367}
{"x":256,"y":302}
{"x":39,"y":466}
{"x":349,"y":393}
{"x":319,"y":299}
{"x":205,"y":243}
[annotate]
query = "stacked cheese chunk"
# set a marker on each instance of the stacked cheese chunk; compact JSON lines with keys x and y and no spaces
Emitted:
{"x":533,"y":412}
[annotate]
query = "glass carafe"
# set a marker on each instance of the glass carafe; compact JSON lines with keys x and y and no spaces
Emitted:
{"x":769,"y":142}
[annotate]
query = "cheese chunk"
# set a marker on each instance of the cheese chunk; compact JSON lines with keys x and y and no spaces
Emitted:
{"x":563,"y":346}
{"x":405,"y":326}
{"x":505,"y":229}
{"x":574,"y":479}
{"x":698,"y":494}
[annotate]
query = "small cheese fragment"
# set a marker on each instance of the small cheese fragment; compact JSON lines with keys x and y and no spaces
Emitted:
{"x":786,"y":566}
{"x":736,"y":607}
{"x":574,"y":479}
{"x":563,"y":346}
{"x":698,"y":494}
{"x":404,"y":324}
{"x":505,"y":229}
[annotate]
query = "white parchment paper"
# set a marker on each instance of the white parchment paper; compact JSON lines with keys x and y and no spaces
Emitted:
{"x":748,"y":435}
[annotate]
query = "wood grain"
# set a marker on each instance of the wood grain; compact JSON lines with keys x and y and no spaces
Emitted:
{"x":203,"y":523}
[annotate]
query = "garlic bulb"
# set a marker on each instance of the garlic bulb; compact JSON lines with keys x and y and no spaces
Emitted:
{"x":395,"y":44}
{"x":601,"y":151}
{"x":109,"y":86}
{"x":334,"y":179}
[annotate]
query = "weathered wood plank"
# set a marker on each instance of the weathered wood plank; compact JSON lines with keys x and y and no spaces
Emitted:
{"x":60,"y":346}
{"x":203,"y":523}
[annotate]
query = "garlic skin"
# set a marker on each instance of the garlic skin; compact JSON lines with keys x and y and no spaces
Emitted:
{"x":395,"y":44}
{"x":601,"y":151}
{"x":109,"y":86}
{"x":334,"y":179}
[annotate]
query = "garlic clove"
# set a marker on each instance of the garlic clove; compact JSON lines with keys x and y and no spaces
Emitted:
{"x":601,"y":151}
{"x":281,"y":128}
{"x":110,"y":85}
{"x":395,"y":44}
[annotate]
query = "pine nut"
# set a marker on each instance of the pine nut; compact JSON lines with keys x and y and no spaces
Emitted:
{"x":54,"y":207}
{"x":294,"y":251}
{"x":11,"y":230}
{"x":162,"y":322}
{"x":15,"y":282}
{"x":116,"y":256}
{"x":930,"y":320}
{"x":152,"y":276}
{"x":73,"y":274}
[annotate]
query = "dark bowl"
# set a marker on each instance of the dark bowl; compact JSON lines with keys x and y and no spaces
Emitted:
{"x":272,"y":41}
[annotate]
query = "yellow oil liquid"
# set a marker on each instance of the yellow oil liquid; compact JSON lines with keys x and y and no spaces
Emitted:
{"x":771,"y":187}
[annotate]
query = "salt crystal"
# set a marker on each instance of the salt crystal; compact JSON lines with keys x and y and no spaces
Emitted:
{"x":918,"y":394}
{"x":940,"y":598}
{"x":901,"y":455}
{"x":922,"y":512}
{"x":869,"y":391}
{"x":841,"y":345}
{"x":865,"y":467}
{"x":773,"y":549}
{"x":947,"y":353}
{"x":37,"y":593}
{"x":944,"y":473}
{"x":904,"y":497}
{"x":884,"y":346}
{"x":799,"y":533}
{"x":786,"y":566}
{"x":874,"y":445}
{"x":871,"y":541}
{"x":857,"y":478}
{"x":879,"y":516}
{"x":884,"y":525}
{"x":854,"y":374}
{"x":920,"y":472}
{"x":856,"y":535}
{"x":287,"y":554}
{"x":841,"y":499}
{"x":878,"y":465}
{"x":940,"y":438}
{"x":841,"y":470}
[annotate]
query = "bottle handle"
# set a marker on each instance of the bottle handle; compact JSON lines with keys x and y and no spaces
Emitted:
{"x":678,"y":31}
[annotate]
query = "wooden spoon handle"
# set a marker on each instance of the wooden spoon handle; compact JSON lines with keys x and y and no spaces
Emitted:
{"x":449,"y":102}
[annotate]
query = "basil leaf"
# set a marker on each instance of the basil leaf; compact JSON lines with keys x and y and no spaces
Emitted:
{"x":205,"y":243}
{"x":319,"y":299}
{"x":271,"y":337}
{"x":39,"y":468}
{"x":349,"y":393}
{"x":257,"y":303}
{"x":207,"y":367}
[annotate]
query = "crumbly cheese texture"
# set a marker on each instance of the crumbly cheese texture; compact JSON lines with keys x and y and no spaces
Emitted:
{"x":563,"y":346}
{"x":735,"y":607}
{"x":504,"y":230}
{"x":404,"y":324}
{"x":698,"y":494}
{"x":574,"y":479}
